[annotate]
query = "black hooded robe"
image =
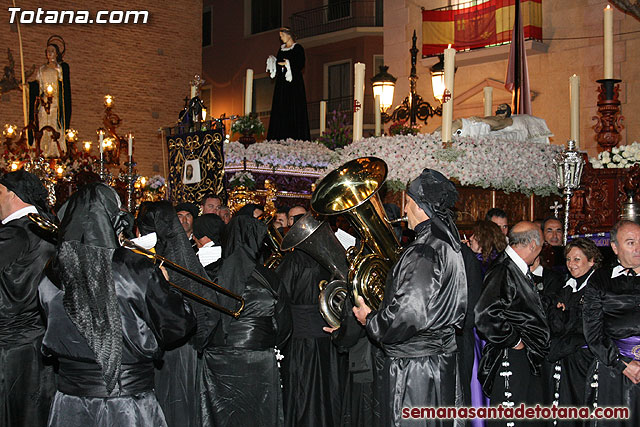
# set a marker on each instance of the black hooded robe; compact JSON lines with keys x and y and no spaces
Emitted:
{"x":239,"y":381}
{"x":109,"y":314}
{"x":26,"y":384}
{"x":176,"y":375}
{"x":424,"y":301}
{"x":313,"y":371}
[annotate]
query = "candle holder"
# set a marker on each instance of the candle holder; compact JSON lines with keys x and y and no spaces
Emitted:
{"x":47,"y":99}
{"x":608,"y":124}
{"x":130,"y":179}
{"x":569,"y":166}
{"x":103,"y":172}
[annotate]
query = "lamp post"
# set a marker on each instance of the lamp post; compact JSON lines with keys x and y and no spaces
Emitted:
{"x":413,"y":108}
{"x":569,"y":166}
{"x":437,"y":79}
{"x":384,"y":85}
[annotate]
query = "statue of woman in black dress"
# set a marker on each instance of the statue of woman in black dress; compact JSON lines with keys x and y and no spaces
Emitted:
{"x":289,"y":118}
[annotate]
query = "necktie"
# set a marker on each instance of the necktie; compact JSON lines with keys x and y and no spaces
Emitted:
{"x":530,"y":278}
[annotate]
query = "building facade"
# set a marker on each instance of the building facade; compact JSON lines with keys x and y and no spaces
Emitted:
{"x":335,"y":35}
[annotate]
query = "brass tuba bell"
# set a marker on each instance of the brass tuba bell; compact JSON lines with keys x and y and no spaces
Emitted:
{"x":317,"y":239}
{"x":352,"y":189}
{"x":273,"y":240}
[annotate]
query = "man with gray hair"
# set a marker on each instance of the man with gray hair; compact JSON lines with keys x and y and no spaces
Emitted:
{"x":611,"y":327}
{"x":510,"y":317}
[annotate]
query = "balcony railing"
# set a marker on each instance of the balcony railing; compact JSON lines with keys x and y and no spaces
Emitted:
{"x":337,"y":16}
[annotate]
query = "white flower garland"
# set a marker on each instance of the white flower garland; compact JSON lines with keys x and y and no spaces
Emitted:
{"x":484,"y":162}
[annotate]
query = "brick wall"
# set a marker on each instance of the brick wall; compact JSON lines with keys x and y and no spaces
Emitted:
{"x":146,"y":67}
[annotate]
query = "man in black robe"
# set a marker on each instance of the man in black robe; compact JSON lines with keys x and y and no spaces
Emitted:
{"x":176,"y":376}
{"x":510,"y":317}
{"x":313,"y":371}
{"x":424,"y":302}
{"x":611,"y":326}
{"x":26,"y":384}
{"x":239,"y":380}
{"x":110,"y":313}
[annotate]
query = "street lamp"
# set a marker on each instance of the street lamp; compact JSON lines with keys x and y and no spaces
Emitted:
{"x":437,"y":79}
{"x":383,"y":85}
{"x":413,"y":107}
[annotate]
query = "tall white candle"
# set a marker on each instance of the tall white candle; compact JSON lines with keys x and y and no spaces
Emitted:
{"x":358,"y":100}
{"x":323,"y":116}
{"x":447,"y":106}
{"x":608,"y":42}
{"x":248,"y":92}
{"x":376,"y":108}
{"x":574,"y":96}
{"x":130,"y":145}
{"x":488,"y":101}
{"x":101,"y":139}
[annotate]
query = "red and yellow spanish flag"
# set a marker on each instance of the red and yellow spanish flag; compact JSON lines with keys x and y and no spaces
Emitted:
{"x":478,"y":26}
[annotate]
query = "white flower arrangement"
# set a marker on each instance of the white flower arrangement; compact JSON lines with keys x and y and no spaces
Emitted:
{"x":243,"y":178}
{"x":621,"y":157}
{"x":485,"y":162}
{"x":281,"y":154}
{"x":234,"y":152}
{"x":156,"y":183}
{"x":505,"y":165}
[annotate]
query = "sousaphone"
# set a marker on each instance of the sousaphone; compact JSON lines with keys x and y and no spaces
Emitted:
{"x":317,"y":239}
{"x":352,"y":190}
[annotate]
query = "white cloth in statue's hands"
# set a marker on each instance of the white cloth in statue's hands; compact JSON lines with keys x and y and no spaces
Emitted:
{"x":288,"y":76}
{"x":271,"y":66}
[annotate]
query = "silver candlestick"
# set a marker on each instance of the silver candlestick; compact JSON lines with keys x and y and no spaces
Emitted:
{"x":130,"y":179}
{"x":103,"y":172}
{"x":569,"y":166}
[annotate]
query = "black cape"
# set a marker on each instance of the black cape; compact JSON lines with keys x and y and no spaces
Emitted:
{"x":313,"y":372}
{"x":425,"y":299}
{"x":24,"y":255}
{"x":289,"y":118}
{"x":361,"y":401}
{"x":153,"y":317}
{"x":509,"y":309}
{"x":176,"y":376}
{"x":611,"y":312}
{"x":239,"y":381}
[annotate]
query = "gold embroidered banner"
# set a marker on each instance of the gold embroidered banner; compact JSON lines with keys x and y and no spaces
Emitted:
{"x":196,"y":165}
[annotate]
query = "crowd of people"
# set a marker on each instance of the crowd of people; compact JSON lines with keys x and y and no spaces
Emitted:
{"x":93,"y":333}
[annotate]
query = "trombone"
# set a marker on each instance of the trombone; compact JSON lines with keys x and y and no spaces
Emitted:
{"x":49,"y":226}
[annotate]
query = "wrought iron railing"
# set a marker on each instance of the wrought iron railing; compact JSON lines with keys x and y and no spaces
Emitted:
{"x":337,"y":16}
